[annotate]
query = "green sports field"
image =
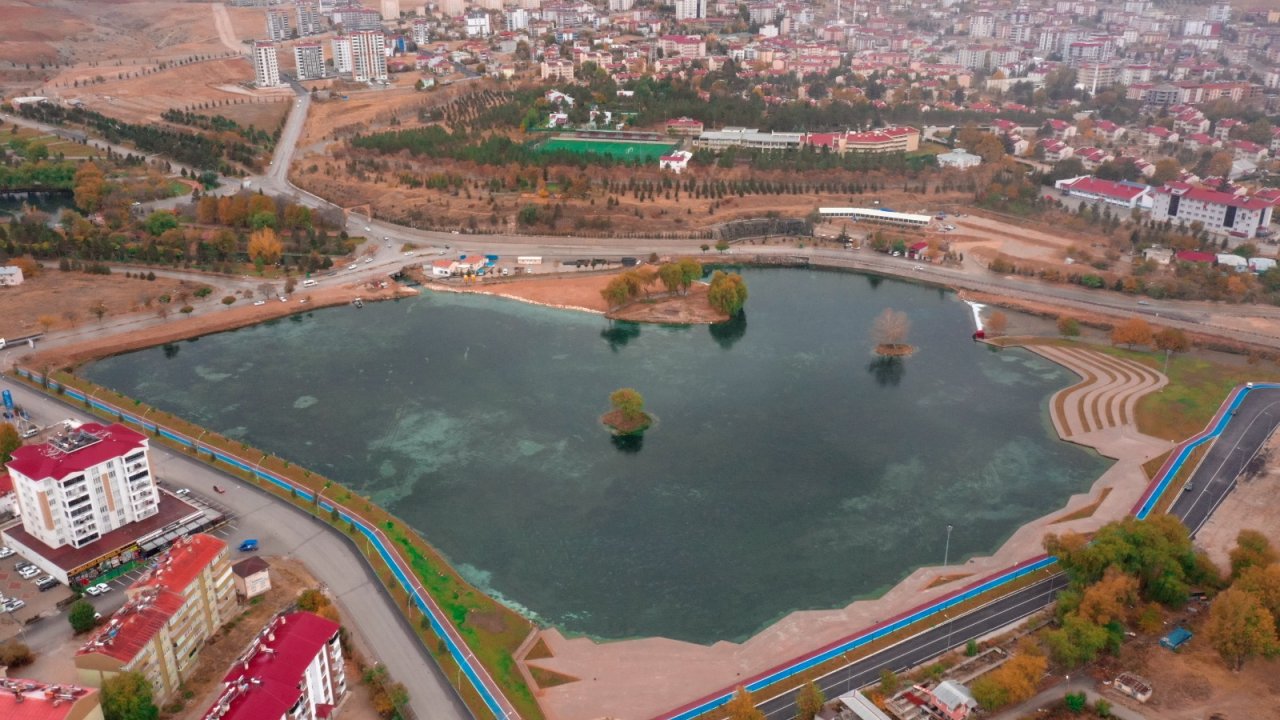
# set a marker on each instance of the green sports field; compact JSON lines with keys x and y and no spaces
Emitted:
{"x":620,"y":149}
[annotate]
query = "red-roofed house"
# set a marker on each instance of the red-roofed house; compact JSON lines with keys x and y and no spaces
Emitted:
{"x":1219,"y":212}
{"x":1108,"y":131}
{"x":684,"y":126}
{"x":1155,"y":135}
{"x":1195,"y":256}
{"x":31,"y":700}
{"x":1246,"y":150}
{"x":83,"y":484}
{"x":1128,"y":195}
{"x":292,"y":671}
{"x":172,"y":610}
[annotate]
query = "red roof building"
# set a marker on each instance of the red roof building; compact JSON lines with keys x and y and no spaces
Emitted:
{"x":1116,"y":193}
{"x":1195,"y":256}
{"x":293,"y":670}
{"x":31,"y":700}
{"x":1236,"y":215}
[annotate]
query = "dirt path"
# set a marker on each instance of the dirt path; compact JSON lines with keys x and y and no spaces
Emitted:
{"x":223,"y":22}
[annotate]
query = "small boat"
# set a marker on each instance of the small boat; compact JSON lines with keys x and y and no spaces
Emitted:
{"x":358,"y":303}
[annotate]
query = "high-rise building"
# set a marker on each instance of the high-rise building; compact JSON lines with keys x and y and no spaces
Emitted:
{"x":171,"y":611}
{"x":478,"y":24}
{"x":452,"y":8}
{"x":691,"y":9}
{"x":368,"y":55}
{"x":82,"y":485}
{"x":266,"y":66}
{"x":356,"y":17}
{"x":390,"y":9}
{"x":278,"y":25}
{"x":310,"y":20}
{"x":308,"y":60}
{"x":421,"y":31}
{"x":292,"y":671}
{"x":342,"y":64}
{"x":518,"y":19}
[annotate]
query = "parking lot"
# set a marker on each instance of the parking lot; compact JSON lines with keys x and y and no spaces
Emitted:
{"x":34,"y":602}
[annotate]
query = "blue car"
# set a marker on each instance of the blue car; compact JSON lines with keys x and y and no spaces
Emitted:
{"x":249,"y":545}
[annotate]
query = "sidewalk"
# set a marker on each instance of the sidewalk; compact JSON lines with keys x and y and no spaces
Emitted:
{"x":1056,"y":693}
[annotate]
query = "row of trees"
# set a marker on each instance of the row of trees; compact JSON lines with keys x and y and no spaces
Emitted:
{"x":676,"y":277}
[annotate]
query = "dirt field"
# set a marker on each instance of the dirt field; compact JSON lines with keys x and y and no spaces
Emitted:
{"x":1251,"y":506}
{"x":67,"y":296}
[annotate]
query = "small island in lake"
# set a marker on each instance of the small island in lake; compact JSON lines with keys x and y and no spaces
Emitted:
{"x":627,"y":416}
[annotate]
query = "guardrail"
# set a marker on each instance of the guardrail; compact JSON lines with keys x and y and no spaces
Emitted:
{"x":476,"y":673}
{"x":1141,"y":511}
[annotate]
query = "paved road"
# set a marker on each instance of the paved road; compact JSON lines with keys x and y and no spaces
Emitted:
{"x":286,"y":530}
{"x":1256,"y":419}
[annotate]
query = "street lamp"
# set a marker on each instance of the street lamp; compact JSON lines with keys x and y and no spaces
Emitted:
{"x":946,"y":554}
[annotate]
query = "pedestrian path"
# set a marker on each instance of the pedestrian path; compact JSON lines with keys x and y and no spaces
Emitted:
{"x":1107,"y":394}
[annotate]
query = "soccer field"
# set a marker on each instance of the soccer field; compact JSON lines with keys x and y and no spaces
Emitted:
{"x":622,"y":150}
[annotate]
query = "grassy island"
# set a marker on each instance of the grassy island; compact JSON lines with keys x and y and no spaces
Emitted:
{"x":627,"y":416}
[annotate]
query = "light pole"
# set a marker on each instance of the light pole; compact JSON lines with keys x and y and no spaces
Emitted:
{"x":946,"y":554}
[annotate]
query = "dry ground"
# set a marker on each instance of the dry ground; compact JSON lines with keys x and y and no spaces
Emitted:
{"x":55,"y":294}
{"x":1250,"y":506}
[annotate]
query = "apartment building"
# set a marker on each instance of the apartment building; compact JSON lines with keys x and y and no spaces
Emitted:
{"x":690,"y":9}
{"x":342,"y":62}
{"x":561,"y":70}
{"x":368,"y":56}
{"x":171,"y":611}
{"x":354,"y":17}
{"x":278,"y":29}
{"x":31,"y":700}
{"x":1223,"y":213}
{"x":682,"y":46}
{"x":292,"y":671}
{"x":421,"y":31}
{"x":308,"y":61}
{"x":478,"y":24}
{"x":83,"y":484}
{"x":390,"y":9}
{"x":310,"y":19}
{"x":266,"y":66}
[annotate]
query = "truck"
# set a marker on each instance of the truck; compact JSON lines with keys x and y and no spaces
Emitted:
{"x":529,"y":260}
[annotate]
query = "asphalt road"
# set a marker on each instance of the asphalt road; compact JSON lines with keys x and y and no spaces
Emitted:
{"x":1255,"y":420}
{"x":285,"y":530}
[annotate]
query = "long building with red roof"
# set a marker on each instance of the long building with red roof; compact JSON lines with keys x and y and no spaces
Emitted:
{"x":183,"y":599}
{"x":31,"y":700}
{"x":1224,"y":213}
{"x":292,"y":671}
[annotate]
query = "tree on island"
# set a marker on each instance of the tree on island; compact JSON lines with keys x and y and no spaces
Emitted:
{"x":728,"y":293}
{"x":890,"y":332}
{"x":680,"y":275}
{"x":628,"y":415}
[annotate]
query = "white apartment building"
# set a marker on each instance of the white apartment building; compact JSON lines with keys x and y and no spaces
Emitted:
{"x":83,"y":484}
{"x":266,"y":66}
{"x":691,"y":9}
{"x":518,"y":20}
{"x":355,"y":17}
{"x":342,"y":63}
{"x":478,"y":25}
{"x":1222,"y":213}
{"x":621,"y":5}
{"x":278,"y":25}
{"x":310,"y":20}
{"x":292,"y":671}
{"x":982,"y":25}
{"x":368,"y":56}
{"x":421,"y":31}
{"x":308,"y":60}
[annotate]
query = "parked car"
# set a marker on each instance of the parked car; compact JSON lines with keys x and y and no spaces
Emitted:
{"x":96,"y":590}
{"x":13,"y":605}
{"x":29,"y":572}
{"x":42,"y":579}
{"x":48,"y":582}
{"x":5,"y":552}
{"x":249,"y":545}
{"x":181,"y":492}
{"x":260,"y":302}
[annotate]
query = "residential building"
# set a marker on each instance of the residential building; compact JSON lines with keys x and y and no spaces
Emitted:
{"x":252,"y":577}
{"x":959,"y":158}
{"x":677,"y":162}
{"x":31,"y":700}
{"x":81,"y":485}
{"x":266,"y":66}
{"x":561,"y":70}
{"x":310,"y":20}
{"x":517,"y":20}
{"x":950,"y":700}
{"x":691,"y":9}
{"x":10,"y":276}
{"x":8,"y":498}
{"x":478,"y":24}
{"x":308,"y":61}
{"x":278,"y":28}
{"x":1218,"y":212}
{"x":368,"y":56}
{"x":354,"y":17}
{"x":682,"y":46}
{"x":292,"y":671}
{"x":982,"y":25}
{"x":390,"y":9}
{"x":1124,"y":194}
{"x":342,"y":63}
{"x":421,"y":31}
{"x":170,"y":614}
{"x":684,"y":126}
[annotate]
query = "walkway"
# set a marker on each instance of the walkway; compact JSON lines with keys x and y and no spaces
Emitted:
{"x":1106,"y":395}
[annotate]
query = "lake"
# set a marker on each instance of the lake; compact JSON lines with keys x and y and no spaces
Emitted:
{"x":788,"y":468}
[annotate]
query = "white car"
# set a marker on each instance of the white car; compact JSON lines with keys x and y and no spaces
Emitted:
{"x":29,"y":572}
{"x":5,"y":552}
{"x":260,"y":302}
{"x":96,"y":590}
{"x":182,"y":491}
{"x":13,"y":605}
{"x":368,"y":260}
{"x":410,"y":254}
{"x":284,"y":299}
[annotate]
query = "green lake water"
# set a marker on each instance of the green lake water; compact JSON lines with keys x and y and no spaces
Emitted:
{"x":788,"y":469}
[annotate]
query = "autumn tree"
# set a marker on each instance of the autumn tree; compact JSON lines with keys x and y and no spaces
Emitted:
{"x":207,"y":210}
{"x":741,"y":707}
{"x":10,"y":440}
{"x":1167,"y":169}
{"x":671,"y":276}
{"x":728,"y":292}
{"x":809,"y":701}
{"x":629,"y":403}
{"x":1131,"y":332}
{"x":1068,"y":326}
{"x":1220,"y":164}
{"x":621,"y":290}
{"x":1012,"y":682}
{"x":127,"y":696}
{"x":1109,"y":599}
{"x":997,"y":323}
{"x":1252,"y":550}
{"x":89,"y":187}
{"x":98,"y":310}
{"x":265,"y":247}
{"x":1239,"y":627}
{"x":1171,"y":340}
{"x":890,"y":331}
{"x":46,"y":321}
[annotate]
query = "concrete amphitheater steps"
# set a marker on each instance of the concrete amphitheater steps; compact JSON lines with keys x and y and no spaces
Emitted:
{"x":1107,"y":394}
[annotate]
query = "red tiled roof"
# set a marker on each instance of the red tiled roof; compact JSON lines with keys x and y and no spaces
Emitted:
{"x":45,"y":461}
{"x":1196,"y":256}
{"x":31,"y":700}
{"x":133,"y":626}
{"x":1214,"y":197}
{"x":272,"y":678}
{"x":183,"y":563}
{"x":1105,"y":188}
{"x":6,"y":483}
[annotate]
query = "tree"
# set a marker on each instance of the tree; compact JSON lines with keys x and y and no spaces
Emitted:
{"x":891,"y":328}
{"x":14,"y":655}
{"x":997,"y":323}
{"x":1134,"y":331}
{"x":1220,"y":164}
{"x":1077,"y":642}
{"x":98,"y":310}
{"x":1252,"y":550}
{"x":10,"y":440}
{"x":690,"y":272}
{"x":1167,"y":169}
{"x":46,"y":322}
{"x":1076,"y":702}
{"x":89,"y":187}
{"x":671,"y":276}
{"x":1068,"y":326}
{"x":619,"y":291}
{"x":1012,"y":682}
{"x":127,"y":696}
{"x":629,"y":402}
{"x":228,"y":300}
{"x":265,"y":246}
{"x":809,"y":701}
{"x":160,"y":221}
{"x":80,"y":615}
{"x":728,"y":292}
{"x":742,"y":708}
{"x":889,"y":682}
{"x":1239,"y":627}
{"x":1171,"y":340}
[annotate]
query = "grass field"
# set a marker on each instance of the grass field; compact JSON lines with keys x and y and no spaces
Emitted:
{"x":620,"y":149}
